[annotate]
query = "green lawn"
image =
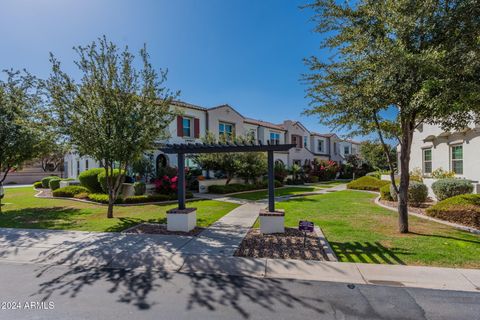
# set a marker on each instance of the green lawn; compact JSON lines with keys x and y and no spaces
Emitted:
{"x":22,"y":210}
{"x":360,"y":231}
{"x":258,"y":195}
{"x":327,"y":184}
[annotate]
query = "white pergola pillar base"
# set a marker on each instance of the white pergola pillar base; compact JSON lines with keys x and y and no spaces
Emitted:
{"x":182,"y":219}
{"x":272,"y":222}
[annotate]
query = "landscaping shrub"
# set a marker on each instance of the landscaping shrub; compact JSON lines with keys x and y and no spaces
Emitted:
{"x":69,"y":192}
{"x":46,"y":180}
{"x":102,"y":198}
{"x":147,"y":198}
{"x":82,"y":195}
{"x":89,"y":179}
{"x":166,"y":184}
{"x":463,"y":209}
{"x":385,"y":193}
{"x":417,"y":193}
{"x":102,"y":179}
{"x":230,"y":188}
{"x":140,"y":188}
{"x":38,"y":185}
{"x":375,"y":174}
{"x":447,"y":188}
{"x":367,"y":183}
{"x":54,"y":184}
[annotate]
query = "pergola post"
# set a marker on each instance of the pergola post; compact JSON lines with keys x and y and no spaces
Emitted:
{"x":181,"y":180}
{"x":271,"y":182}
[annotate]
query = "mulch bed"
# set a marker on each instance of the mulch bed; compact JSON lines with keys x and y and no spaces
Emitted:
{"x":420,"y":209}
{"x":288,"y":245}
{"x":157,"y":228}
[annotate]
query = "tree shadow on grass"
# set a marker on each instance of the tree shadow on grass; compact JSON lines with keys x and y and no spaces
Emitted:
{"x":128,"y":222}
{"x":42,"y":218}
{"x":445,"y":237}
{"x":368,"y":252}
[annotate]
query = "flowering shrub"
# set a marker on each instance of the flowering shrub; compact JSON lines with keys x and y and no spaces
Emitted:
{"x":325,"y":170}
{"x":166,"y":185}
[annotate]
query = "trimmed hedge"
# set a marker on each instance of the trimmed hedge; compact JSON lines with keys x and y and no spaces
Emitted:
{"x":463,"y":209}
{"x":38,"y":185}
{"x":417,"y":193}
{"x":140,"y":188}
{"x":103,"y":198}
{"x":46,"y":180}
{"x":69,"y":192}
{"x":447,"y":188}
{"x":89,"y":179}
{"x":367,"y":183}
{"x":54,"y":184}
{"x":375,"y":174}
{"x":238,"y":187}
{"x":102,"y":179}
{"x":385,"y":193}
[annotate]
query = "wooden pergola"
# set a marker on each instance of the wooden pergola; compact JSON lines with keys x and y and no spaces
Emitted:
{"x":195,"y":148}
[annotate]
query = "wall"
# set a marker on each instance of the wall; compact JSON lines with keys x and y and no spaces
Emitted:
{"x":225,"y":114}
{"x":302,"y":154}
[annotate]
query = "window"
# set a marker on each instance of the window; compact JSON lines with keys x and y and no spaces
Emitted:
{"x":187,"y":127}
{"x":78,"y":167}
{"x":320,"y":145}
{"x":86,"y":164}
{"x":346,"y":150}
{"x":226,"y":129}
{"x":457,"y":159}
{"x":305,"y":141}
{"x":274,"y":137}
{"x":335,"y":148}
{"x":427,"y":161}
{"x":297,"y":140}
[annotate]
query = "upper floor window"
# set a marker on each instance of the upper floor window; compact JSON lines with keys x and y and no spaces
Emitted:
{"x":427,"y":161}
{"x":187,"y":127}
{"x":86,"y":164}
{"x":226,"y":130}
{"x":274,"y":137}
{"x":297,"y":140}
{"x":457,"y":159}
{"x":346,"y":150}
{"x":305,"y":141}
{"x":320,"y":145}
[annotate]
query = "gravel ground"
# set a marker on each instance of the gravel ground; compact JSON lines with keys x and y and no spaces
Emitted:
{"x":288,"y":245}
{"x":156,"y":228}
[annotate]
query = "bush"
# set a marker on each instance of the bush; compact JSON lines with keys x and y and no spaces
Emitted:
{"x":102,"y":198}
{"x":46,"y":180}
{"x":140,"y":188}
{"x":89,"y":179}
{"x":442,"y":174}
{"x":69,"y":192}
{"x":38,"y":185}
{"x":417,"y":193}
{"x":385,"y":193}
{"x":102,"y":179}
{"x":81,"y":195}
{"x":54,"y":184}
{"x":375,"y":174}
{"x":447,"y":188}
{"x":463,"y":209}
{"x":367,"y":183}
{"x":147,"y":198}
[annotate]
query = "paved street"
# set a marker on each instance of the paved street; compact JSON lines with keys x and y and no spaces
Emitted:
{"x":78,"y":293}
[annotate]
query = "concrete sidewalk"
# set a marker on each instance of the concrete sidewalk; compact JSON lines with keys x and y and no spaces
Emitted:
{"x":210,"y":254}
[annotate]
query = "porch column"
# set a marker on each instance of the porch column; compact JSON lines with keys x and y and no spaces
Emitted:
{"x":271,"y":182}
{"x":181,"y":180}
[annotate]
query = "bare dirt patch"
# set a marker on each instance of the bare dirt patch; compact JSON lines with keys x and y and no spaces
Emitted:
{"x":288,"y":245}
{"x":157,"y":228}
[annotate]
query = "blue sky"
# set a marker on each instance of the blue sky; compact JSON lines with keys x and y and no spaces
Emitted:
{"x":242,"y":52}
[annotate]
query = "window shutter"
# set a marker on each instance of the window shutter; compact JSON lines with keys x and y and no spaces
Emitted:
{"x":196,"y":128}
{"x":300,"y":145}
{"x":180,"y":126}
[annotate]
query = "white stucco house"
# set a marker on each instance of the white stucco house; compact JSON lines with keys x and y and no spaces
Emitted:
{"x":194,"y":122}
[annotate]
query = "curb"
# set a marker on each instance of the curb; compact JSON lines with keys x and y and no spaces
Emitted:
{"x":332,"y":257}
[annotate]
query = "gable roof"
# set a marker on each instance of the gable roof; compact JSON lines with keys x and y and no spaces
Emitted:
{"x":325,"y":135}
{"x":183,"y":104}
{"x":226,"y":106}
{"x":264,"y":124}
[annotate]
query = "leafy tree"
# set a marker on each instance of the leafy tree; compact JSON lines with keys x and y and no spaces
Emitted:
{"x":114,"y":112}
{"x":251,"y":165}
{"x":419,"y":59}
{"x":53,"y":149}
{"x":355,"y":163}
{"x":19,"y":102}
{"x":373,"y":153}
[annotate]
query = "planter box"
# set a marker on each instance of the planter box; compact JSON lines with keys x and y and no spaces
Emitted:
{"x":272,"y":222}
{"x":182,"y":220}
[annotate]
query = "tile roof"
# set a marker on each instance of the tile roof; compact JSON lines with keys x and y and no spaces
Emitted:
{"x":187,"y":105}
{"x":264,"y":124}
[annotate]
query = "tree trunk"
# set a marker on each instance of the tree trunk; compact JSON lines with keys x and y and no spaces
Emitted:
{"x":405,"y":148}
{"x":110,"y":209}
